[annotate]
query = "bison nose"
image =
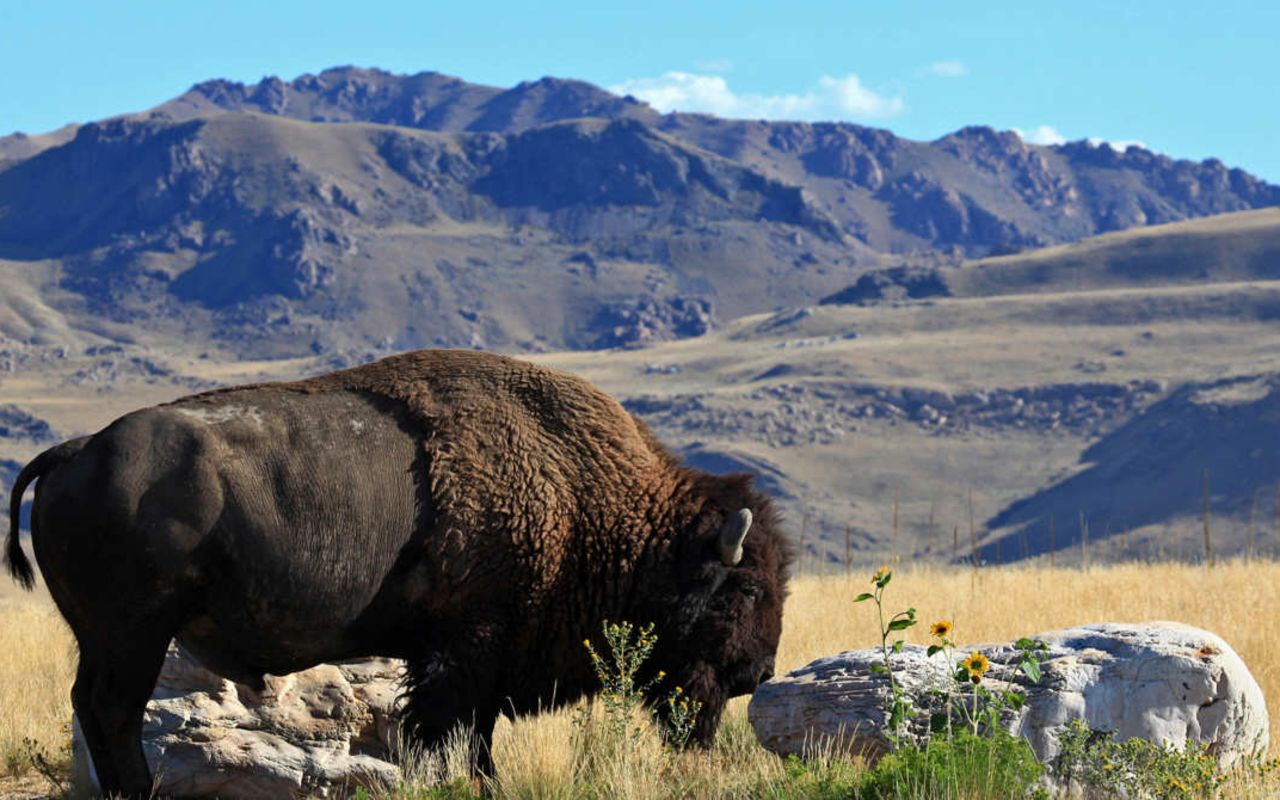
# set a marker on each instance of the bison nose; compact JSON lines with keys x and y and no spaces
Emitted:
{"x":766,"y":673}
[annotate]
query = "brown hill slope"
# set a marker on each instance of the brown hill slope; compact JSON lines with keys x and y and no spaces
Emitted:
{"x":281,"y":237}
{"x":1223,"y":248}
{"x":1089,"y":396}
{"x":1211,"y":448}
{"x":1002,"y":409}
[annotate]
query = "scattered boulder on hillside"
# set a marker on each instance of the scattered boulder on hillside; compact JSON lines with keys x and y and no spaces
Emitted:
{"x":1161,"y":681}
{"x":898,"y":283}
{"x":781,"y":413}
{"x":317,"y":733}
{"x":650,"y":320}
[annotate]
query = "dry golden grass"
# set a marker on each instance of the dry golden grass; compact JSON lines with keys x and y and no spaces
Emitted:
{"x":37,"y":666}
{"x":536,"y":757}
{"x":1238,"y":601}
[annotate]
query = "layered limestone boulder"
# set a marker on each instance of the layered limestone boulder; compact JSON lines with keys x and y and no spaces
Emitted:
{"x":318,"y":733}
{"x":1165,"y":682}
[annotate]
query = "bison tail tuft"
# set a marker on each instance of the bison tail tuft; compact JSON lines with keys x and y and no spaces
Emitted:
{"x":16,"y":560}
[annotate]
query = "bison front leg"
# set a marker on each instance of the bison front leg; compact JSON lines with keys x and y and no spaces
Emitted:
{"x":453,"y":695}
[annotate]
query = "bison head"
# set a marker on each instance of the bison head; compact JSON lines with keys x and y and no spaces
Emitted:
{"x":722,"y":618}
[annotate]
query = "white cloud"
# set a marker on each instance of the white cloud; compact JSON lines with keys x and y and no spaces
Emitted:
{"x":949,"y":69}
{"x":1117,"y":144}
{"x":831,"y":98}
{"x":1044,"y":134}
{"x":1047,"y":134}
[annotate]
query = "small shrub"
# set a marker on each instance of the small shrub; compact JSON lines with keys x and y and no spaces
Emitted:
{"x":621,"y":749}
{"x":51,"y":765}
{"x":817,"y":779}
{"x":1134,"y":768}
{"x":622,"y":693}
{"x":682,"y":715}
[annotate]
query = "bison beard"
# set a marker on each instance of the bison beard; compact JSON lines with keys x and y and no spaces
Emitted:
{"x":473,"y":514}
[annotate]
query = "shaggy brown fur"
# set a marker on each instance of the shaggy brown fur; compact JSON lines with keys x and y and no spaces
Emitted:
{"x":475,"y":514}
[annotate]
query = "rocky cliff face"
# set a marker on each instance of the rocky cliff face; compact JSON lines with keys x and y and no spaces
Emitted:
{"x":976,"y":188}
{"x":273,"y":232}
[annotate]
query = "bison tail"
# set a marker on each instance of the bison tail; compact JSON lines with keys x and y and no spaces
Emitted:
{"x":16,"y":560}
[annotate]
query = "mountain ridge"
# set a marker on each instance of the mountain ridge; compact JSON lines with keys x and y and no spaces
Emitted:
{"x":356,"y":207}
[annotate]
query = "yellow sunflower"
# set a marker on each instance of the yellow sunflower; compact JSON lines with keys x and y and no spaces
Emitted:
{"x":941,"y":628}
{"x":977,"y":665}
{"x":881,"y":574}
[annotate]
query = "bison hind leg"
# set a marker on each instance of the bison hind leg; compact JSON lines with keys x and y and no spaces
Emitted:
{"x":114,"y":681}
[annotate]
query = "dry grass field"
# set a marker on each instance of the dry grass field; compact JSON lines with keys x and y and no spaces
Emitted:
{"x":1237,"y":600}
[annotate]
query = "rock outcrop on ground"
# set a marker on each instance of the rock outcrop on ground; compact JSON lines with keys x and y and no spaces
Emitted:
{"x":317,"y":733}
{"x":1164,"y":682}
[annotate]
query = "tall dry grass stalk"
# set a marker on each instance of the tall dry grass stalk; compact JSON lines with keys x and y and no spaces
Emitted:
{"x":537,"y":757}
{"x":37,"y":666}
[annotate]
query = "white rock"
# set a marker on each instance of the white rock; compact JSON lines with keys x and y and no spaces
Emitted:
{"x":1165,"y":682}
{"x":310,"y":734}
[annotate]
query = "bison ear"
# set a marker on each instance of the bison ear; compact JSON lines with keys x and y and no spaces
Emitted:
{"x":732,"y":534}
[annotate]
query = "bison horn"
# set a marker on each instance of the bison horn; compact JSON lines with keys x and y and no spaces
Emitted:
{"x":731,"y":536}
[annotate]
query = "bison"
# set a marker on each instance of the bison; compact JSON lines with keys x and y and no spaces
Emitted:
{"x":476,"y":515}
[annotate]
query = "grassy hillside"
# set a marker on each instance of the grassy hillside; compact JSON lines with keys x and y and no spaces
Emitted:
{"x":1219,"y":249}
{"x":945,"y":414}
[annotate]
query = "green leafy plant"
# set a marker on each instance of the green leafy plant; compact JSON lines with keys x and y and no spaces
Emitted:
{"x":621,"y":694}
{"x":986,"y":708}
{"x":940,"y":721}
{"x":979,"y":758}
{"x":983,"y":709}
{"x":1031,"y":653}
{"x":899,"y":706}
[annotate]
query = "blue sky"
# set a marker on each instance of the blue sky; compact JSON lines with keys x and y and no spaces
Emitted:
{"x":1192,"y":79}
